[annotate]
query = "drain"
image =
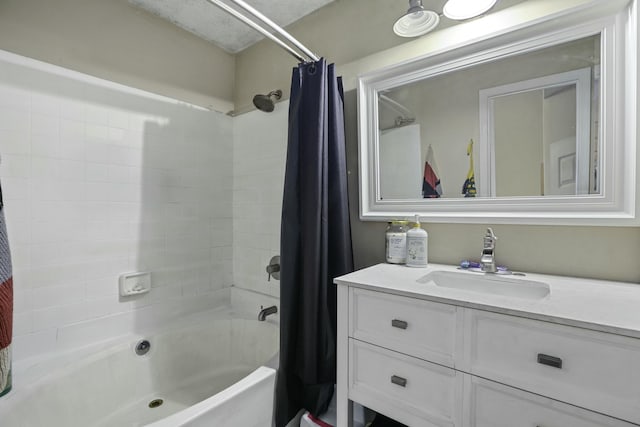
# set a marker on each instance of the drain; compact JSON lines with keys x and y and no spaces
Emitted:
{"x":155,"y":403}
{"x":143,"y":347}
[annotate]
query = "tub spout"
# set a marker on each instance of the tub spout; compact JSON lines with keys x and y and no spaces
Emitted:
{"x":262,"y":316}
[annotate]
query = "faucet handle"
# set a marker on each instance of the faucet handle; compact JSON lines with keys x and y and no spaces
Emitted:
{"x":273,"y":269}
{"x":489,"y":239}
{"x":490,"y":234}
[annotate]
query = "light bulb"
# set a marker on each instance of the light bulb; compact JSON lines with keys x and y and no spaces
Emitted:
{"x":466,"y":9}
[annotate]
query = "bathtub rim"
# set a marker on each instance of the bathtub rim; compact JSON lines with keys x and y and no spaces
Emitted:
{"x":193,"y":412}
{"x":31,"y":373}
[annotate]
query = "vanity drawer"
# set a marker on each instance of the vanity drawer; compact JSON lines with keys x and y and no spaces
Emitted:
{"x":409,"y":390}
{"x":491,"y":404}
{"x":412,"y":326}
{"x":595,"y":370}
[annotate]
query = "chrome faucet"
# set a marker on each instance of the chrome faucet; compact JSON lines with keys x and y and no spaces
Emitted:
{"x":264,"y":312}
{"x":487,"y":260}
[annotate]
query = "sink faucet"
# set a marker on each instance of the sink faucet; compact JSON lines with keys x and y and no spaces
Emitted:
{"x":264,"y":312}
{"x":487,"y":260}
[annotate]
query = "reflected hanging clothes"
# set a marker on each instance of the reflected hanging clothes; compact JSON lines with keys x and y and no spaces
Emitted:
{"x":315,"y":243}
{"x":431,"y":185}
{"x":469,"y":186}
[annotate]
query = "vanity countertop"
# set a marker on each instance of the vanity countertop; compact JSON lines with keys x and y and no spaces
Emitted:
{"x":606,"y":306}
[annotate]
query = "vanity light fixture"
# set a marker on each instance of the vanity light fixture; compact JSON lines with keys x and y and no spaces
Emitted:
{"x":460,"y":10}
{"x":417,"y":21}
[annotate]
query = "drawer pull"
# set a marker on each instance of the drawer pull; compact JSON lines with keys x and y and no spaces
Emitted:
{"x":545,"y":359}
{"x":401,"y":324}
{"x":402,"y":382}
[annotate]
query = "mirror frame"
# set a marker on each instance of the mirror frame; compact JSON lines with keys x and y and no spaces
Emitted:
{"x":617,"y":203}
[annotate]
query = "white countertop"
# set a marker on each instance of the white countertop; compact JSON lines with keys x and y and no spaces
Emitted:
{"x":593,"y":304}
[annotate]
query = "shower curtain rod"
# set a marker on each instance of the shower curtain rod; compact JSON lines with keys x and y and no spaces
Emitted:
{"x":396,"y":106}
{"x":275,"y":27}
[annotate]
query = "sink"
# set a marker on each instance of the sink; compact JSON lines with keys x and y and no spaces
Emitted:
{"x":488,"y":284}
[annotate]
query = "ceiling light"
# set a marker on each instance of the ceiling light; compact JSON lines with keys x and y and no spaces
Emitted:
{"x":465,"y":9}
{"x":417,"y":21}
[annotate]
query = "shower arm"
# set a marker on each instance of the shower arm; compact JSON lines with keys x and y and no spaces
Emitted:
{"x":275,"y":27}
{"x":396,"y":106}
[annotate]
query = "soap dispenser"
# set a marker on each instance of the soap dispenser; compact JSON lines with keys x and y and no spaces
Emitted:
{"x":417,"y":245}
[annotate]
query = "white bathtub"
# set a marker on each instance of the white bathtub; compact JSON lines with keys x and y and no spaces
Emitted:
{"x":210,"y":373}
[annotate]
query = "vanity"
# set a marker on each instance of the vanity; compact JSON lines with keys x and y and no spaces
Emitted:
{"x":544,"y":96}
{"x":444,"y":347}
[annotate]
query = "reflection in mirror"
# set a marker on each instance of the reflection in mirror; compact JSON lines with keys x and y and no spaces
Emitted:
{"x":534,"y":118}
{"x":546,"y":122}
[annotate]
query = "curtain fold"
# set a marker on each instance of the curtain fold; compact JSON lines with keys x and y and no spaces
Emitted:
{"x":6,"y":306}
{"x":315,"y":241}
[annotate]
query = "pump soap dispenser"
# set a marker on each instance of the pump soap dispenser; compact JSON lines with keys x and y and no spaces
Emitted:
{"x":417,"y":245}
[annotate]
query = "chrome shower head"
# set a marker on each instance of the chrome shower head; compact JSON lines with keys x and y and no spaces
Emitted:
{"x":267,"y":102}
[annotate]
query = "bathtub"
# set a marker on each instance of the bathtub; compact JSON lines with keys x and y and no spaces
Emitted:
{"x":207,"y":373}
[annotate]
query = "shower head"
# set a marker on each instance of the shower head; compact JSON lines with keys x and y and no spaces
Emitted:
{"x":267,"y":102}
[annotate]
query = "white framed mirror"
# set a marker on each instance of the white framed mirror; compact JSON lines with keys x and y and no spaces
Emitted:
{"x":535,"y":127}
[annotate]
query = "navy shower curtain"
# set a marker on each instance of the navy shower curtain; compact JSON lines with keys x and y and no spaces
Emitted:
{"x":315,"y":241}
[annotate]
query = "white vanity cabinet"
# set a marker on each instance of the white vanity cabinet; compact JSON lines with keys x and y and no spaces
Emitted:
{"x":416,"y":327}
{"x":491,"y":404}
{"x":430,"y":357}
{"x":401,"y":357}
{"x":590,"y":369}
{"x":424,"y":393}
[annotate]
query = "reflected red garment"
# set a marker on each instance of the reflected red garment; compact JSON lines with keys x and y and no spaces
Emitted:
{"x":431,"y":183}
{"x":6,"y":312}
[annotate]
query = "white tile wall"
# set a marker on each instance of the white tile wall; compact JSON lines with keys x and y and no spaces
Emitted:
{"x":259,"y":156}
{"x":99,"y":179}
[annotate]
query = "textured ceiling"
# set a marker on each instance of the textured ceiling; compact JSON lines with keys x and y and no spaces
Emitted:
{"x":208,"y":21}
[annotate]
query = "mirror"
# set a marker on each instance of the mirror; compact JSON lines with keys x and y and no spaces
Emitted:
{"x":440,"y":115}
{"x":512,"y":133}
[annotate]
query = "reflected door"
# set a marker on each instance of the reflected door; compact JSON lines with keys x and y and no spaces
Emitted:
{"x":401,"y":170}
{"x":560,"y":176}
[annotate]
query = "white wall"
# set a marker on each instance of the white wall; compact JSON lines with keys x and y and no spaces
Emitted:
{"x":116,"y":41}
{"x":99,"y":179}
{"x":259,"y":156}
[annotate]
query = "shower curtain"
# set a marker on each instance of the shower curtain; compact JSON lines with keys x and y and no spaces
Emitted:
{"x":6,"y":306}
{"x":315,"y":241}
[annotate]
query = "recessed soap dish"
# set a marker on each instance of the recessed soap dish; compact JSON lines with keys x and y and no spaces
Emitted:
{"x":134,"y":283}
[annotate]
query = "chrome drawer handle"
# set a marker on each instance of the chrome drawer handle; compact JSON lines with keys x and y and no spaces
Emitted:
{"x":401,"y":324}
{"x":402,"y":382}
{"x":554,"y":362}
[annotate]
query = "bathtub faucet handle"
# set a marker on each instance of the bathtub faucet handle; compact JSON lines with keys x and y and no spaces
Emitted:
{"x":273,"y":269}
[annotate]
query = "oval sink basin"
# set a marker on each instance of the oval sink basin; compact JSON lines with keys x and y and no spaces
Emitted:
{"x":488,"y":284}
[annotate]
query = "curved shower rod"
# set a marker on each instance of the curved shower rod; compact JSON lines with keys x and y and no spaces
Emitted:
{"x":406,"y":117}
{"x":275,"y":27}
{"x":396,"y":106}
